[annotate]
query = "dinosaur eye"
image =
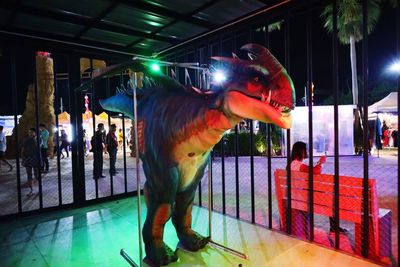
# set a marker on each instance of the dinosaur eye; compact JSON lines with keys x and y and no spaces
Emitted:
{"x":256,"y":79}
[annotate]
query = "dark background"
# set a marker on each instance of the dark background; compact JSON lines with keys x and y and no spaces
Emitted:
{"x":381,"y":52}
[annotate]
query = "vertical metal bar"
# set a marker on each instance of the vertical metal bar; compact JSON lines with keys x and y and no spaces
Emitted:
{"x":200,"y":200}
{"x":39,"y":173}
{"x":398,"y":122}
{"x":289,"y":176}
{"x":253,"y":211}
{"x":269,"y":146}
{"x":96,"y":181}
{"x":78,"y":171}
{"x":137,"y":172}
{"x":236,"y":139}
{"x":124,"y":144}
{"x":269,"y":156}
{"x":365,"y":243}
{"x":209,"y":176}
{"x":16,"y":130}
{"x":109,"y":125}
{"x":57,"y":107}
{"x":310,"y":128}
{"x":237,"y":171}
{"x":222,"y":154}
{"x":201,"y":60}
{"x":236,"y":149}
{"x":211,"y":188}
{"x":124,"y":153}
{"x":223,"y":174}
{"x":336,"y":123}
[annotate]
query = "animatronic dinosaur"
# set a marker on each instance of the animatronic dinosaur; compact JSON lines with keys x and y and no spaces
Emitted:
{"x":179,"y":125}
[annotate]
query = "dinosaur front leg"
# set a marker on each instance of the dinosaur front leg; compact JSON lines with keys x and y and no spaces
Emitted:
{"x":182,"y":220}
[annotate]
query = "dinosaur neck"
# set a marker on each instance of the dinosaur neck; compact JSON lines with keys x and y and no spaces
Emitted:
{"x":204,"y":128}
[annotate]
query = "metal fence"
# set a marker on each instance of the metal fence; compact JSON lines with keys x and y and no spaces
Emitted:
{"x":243,"y":186}
{"x":355,"y":206}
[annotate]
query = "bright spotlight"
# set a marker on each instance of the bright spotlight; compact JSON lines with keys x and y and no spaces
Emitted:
{"x":395,"y":67}
{"x":219,"y":76}
{"x":155,"y":67}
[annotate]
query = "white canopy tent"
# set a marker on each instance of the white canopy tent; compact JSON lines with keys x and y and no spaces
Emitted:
{"x":385,"y":105}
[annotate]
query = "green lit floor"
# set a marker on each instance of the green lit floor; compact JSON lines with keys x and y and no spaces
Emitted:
{"x":93,"y":236}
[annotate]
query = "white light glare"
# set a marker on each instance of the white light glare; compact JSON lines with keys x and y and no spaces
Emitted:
{"x":219,"y":76}
{"x":395,"y":67}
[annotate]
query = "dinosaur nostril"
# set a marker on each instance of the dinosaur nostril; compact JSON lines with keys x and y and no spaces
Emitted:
{"x":191,"y":154}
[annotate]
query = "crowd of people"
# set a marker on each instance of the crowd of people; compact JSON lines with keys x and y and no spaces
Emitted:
{"x":34,"y":150}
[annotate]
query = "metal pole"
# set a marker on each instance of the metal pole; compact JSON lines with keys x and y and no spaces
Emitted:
{"x":269,"y":146}
{"x":96,"y":182}
{"x":15,"y":111}
{"x":137,"y":172}
{"x":237,"y":172}
{"x":236,"y":149}
{"x":124,"y":144}
{"x":222,"y":155}
{"x":336,"y":124}
{"x":288,"y":171}
{"x":365,"y":219}
{"x":253,"y":212}
{"x":398,"y":122}
{"x":310,"y":128}
{"x":56,"y":93}
{"x":135,"y":117}
{"x":209,"y":196}
{"x":109,"y":126}
{"x":124,"y":153}
{"x":252,"y":190}
{"x":39,"y":173}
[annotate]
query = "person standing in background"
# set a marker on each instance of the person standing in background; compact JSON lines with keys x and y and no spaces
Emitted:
{"x":120,"y":137}
{"x":44,"y":137}
{"x":112,"y":148}
{"x":97,"y":142}
{"x":31,"y":159}
{"x":3,"y":148}
{"x":64,"y":144}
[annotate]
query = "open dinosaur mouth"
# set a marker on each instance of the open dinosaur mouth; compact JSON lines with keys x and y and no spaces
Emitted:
{"x":266,"y":99}
{"x":277,"y":106}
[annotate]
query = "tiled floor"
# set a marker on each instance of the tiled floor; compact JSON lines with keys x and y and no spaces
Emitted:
{"x":93,"y":236}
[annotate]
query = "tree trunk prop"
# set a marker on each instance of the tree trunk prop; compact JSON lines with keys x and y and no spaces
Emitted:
{"x":45,"y":84}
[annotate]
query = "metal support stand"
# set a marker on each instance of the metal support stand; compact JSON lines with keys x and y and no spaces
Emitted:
{"x":212,"y":242}
{"x":123,"y":253}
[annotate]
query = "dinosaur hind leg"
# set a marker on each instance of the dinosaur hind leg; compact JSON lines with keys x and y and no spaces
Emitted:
{"x":153,"y":230}
{"x":182,"y":220}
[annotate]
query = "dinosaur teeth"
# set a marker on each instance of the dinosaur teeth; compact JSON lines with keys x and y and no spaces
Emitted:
{"x":269,"y":96}
{"x":262,"y":97}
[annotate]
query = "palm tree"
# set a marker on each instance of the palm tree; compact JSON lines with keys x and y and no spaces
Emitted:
{"x":349,"y":26}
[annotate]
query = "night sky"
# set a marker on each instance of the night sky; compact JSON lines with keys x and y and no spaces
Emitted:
{"x":382,"y":50}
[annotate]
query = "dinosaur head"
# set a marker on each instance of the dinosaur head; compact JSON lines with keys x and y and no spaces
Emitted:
{"x":259,"y":88}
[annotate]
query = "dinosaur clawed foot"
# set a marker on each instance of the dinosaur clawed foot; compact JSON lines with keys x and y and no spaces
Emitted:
{"x":192,"y":240}
{"x":159,"y":255}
